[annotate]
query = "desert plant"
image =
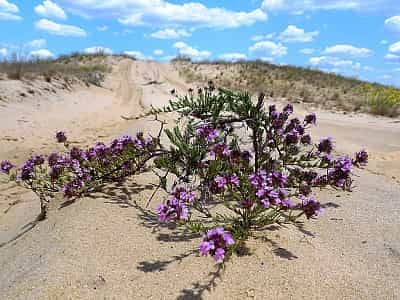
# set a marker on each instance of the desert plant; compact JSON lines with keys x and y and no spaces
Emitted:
{"x":232,"y":166}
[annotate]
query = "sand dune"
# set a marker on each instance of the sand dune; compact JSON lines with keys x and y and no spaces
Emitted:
{"x":108,"y":247}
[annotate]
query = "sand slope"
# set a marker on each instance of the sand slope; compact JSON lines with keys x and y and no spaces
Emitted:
{"x":108,"y":247}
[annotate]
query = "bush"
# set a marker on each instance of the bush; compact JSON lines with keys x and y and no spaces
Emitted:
{"x":231,"y":167}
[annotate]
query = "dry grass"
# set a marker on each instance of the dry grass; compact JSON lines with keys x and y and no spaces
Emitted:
{"x":87,"y":68}
{"x":327,"y":90}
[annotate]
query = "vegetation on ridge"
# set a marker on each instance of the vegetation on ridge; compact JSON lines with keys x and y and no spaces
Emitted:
{"x":328,"y":90}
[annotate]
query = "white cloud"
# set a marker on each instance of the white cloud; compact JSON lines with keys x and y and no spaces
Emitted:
{"x":307,"y":51}
{"x":260,"y":37}
{"x":135,"y":54}
{"x":102,"y":28}
{"x":384,"y":42}
{"x":9,"y":11}
{"x":391,"y":56}
{"x":3,"y":52}
{"x":132,"y":20}
{"x":393,"y":23}
{"x":348,"y":50}
{"x":50,"y":9}
{"x":386,"y":76}
{"x":41,"y":54}
{"x":186,"y":50}
{"x":300,"y":6}
{"x":60,"y":29}
{"x":158,"y":52}
{"x":295,"y":34}
{"x":268,"y":50}
{"x":162,"y":13}
{"x":170,"y":34}
{"x":394,"y":48}
{"x":36,"y":44}
{"x":98,"y":50}
{"x":335,"y":62}
{"x":233,"y":56}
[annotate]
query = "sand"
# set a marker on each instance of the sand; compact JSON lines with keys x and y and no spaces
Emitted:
{"x":108,"y":246}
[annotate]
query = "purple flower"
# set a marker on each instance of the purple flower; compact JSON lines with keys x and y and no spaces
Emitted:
{"x":287,"y":204}
{"x":38,"y":160}
{"x":55,"y":172}
{"x":207,"y":132}
{"x":220,"y":150}
{"x":206,"y":247}
{"x":73,"y":188}
{"x":325,"y":145}
{"x":278,"y":179}
{"x":311,"y":207}
{"x":310,"y":119}
{"x":219,"y":255}
{"x":265,"y":203}
{"x":288,"y":109}
{"x":55,"y":159}
{"x":77,"y":154}
{"x":141,"y":143}
{"x":27,"y":170}
{"x":184,"y":195}
{"x":292,"y":137}
{"x":216,"y":242}
{"x":234,"y":180}
{"x":361,"y":158}
{"x":172,"y":210}
{"x":61,"y":137}
{"x":220,"y":181}
{"x":340,"y":174}
{"x":6,"y":166}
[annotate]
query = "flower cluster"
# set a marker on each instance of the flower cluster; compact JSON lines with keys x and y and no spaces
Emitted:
{"x":207,"y":132}
{"x":311,"y":207}
{"x":216,"y":243}
{"x":6,"y":166}
{"x":175,"y":208}
{"x":61,"y":137}
{"x":361,"y":158}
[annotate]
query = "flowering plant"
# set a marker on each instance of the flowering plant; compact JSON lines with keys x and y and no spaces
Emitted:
{"x":239,"y":167}
{"x":232,"y":166}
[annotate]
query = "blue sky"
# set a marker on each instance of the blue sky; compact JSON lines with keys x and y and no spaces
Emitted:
{"x":358,"y":38}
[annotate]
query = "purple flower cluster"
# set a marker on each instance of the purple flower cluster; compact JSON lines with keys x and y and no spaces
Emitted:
{"x":361,"y":158}
{"x":207,"y":132}
{"x":326,"y":145}
{"x":310,"y":119}
{"x":311,"y":207}
{"x":73,"y":188}
{"x":184,"y":195}
{"x":6,"y":166}
{"x":57,"y":164}
{"x":216,"y":243}
{"x":27,"y":170}
{"x":142,"y":143}
{"x":175,"y":208}
{"x":220,"y":182}
{"x":61,"y":137}
{"x":221,"y":151}
{"x":340,"y":174}
{"x":270,"y":188}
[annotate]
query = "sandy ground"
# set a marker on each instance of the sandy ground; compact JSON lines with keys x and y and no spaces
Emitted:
{"x":108,"y":247}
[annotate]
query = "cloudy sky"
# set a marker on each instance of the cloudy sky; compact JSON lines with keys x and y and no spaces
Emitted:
{"x":352,"y":37}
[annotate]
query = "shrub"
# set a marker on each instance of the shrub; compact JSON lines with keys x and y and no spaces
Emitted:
{"x":231,"y":167}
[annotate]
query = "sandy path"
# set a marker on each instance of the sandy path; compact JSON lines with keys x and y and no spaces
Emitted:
{"x":107,"y":247}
